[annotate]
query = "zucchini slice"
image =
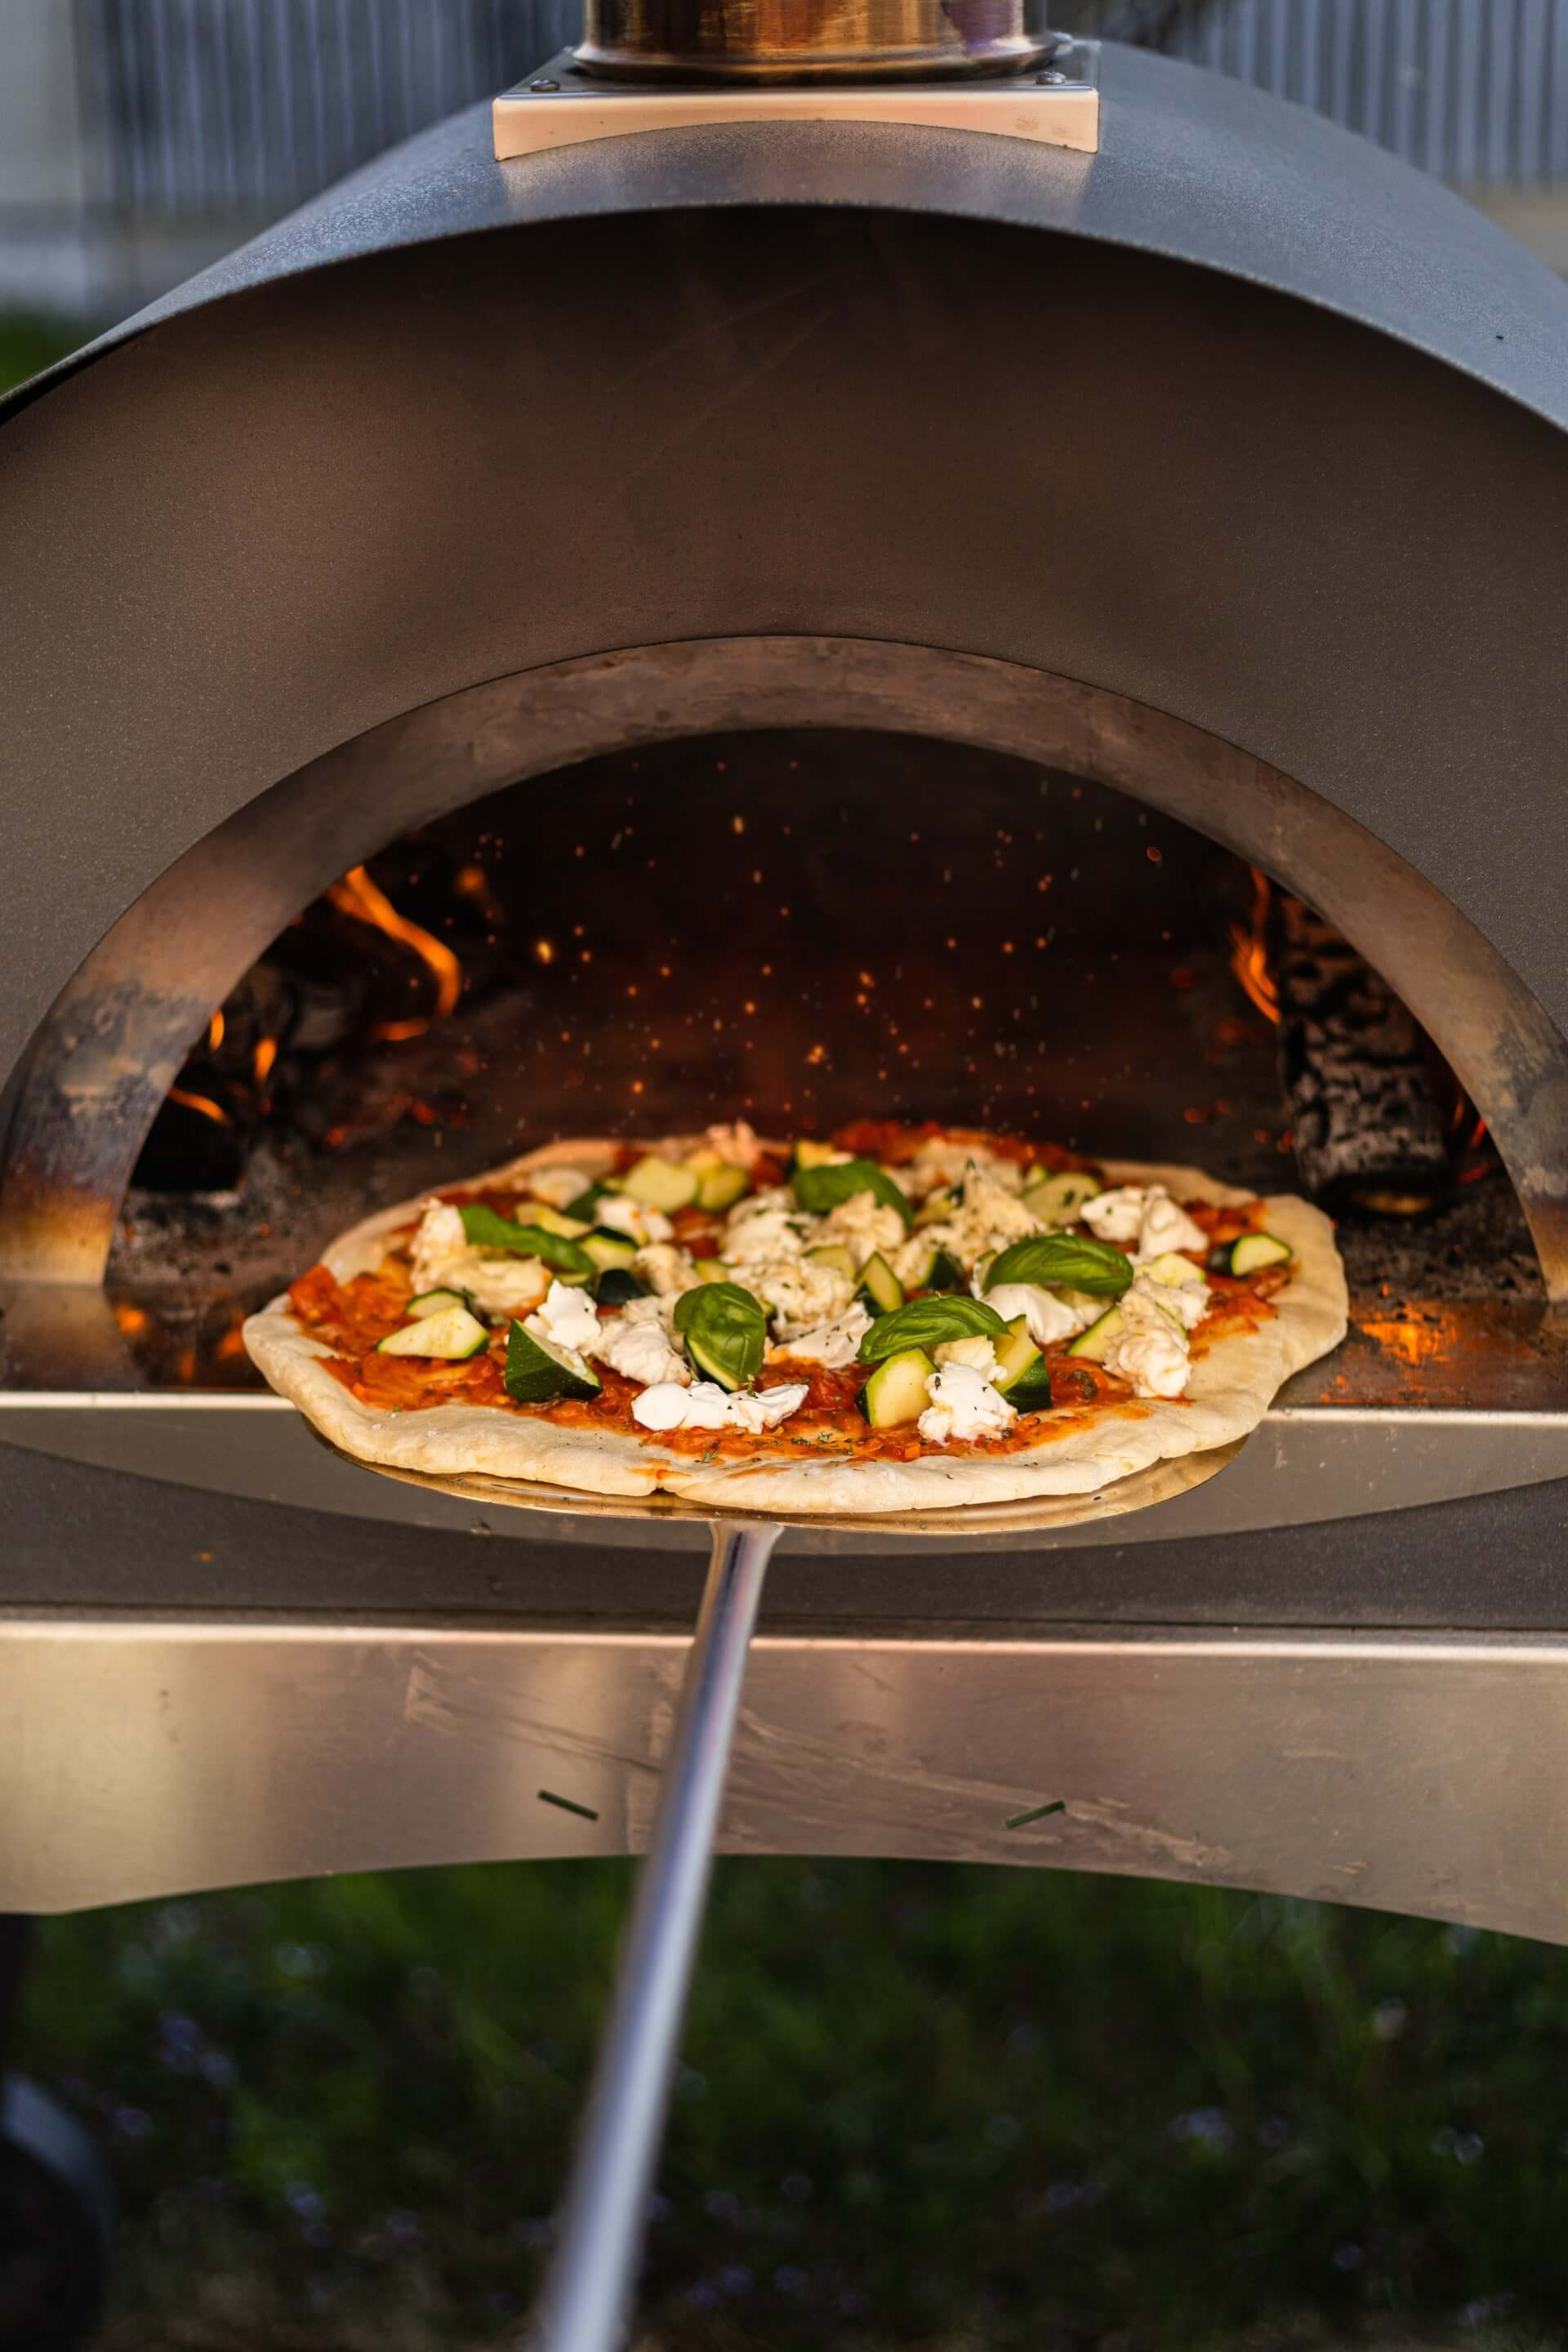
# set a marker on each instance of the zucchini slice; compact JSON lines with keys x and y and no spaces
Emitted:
{"x":720,"y":1187}
{"x":944,"y":1273}
{"x":431,"y":1302}
{"x":451,"y":1332}
{"x":1031,"y":1392}
{"x":896,"y":1391}
{"x":1057,"y":1199}
{"x":537,"y":1373}
{"x":835,"y":1254}
{"x":552,"y":1220}
{"x":713,"y":1269}
{"x":881,"y":1289}
{"x":661,"y":1183}
{"x":811,"y":1154}
{"x":712,"y":1364}
{"x":587,"y":1201}
{"x":606,"y":1249}
{"x":936,"y":1206}
{"x":615,"y":1285}
{"x":1016,"y":1357}
{"x":1093,"y":1346}
{"x":1253,"y":1252}
{"x":1173,"y":1269}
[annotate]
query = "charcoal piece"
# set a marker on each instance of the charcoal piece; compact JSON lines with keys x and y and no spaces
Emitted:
{"x":1364,"y":1116}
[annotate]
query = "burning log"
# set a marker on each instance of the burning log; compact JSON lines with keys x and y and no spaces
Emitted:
{"x":1356,"y":1071}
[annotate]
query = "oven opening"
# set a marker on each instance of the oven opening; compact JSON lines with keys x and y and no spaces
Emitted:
{"x":799,"y":928}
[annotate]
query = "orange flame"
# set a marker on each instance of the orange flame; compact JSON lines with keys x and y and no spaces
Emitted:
{"x":203,"y":1103}
{"x":215,"y":1031}
{"x":1249,"y":951}
{"x":357,"y":896}
{"x":261,"y":1061}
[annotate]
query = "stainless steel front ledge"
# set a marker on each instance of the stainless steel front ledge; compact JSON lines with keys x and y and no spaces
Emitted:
{"x":1413,"y":1774}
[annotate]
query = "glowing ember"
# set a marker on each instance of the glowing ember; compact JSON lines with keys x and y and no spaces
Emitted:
{"x":1249,"y":951}
{"x":214,"y":1030}
{"x":261,"y":1061}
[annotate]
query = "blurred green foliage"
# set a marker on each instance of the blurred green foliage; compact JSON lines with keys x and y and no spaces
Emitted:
{"x":29,"y":343}
{"x":919,"y":2105}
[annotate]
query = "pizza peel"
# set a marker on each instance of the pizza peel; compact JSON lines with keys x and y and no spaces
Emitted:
{"x":587,"y":2293}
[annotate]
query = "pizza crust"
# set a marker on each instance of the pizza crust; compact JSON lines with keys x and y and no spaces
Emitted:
{"x":1230,"y":1388}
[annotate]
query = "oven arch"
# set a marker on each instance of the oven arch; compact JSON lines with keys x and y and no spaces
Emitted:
{"x":103,"y":1060}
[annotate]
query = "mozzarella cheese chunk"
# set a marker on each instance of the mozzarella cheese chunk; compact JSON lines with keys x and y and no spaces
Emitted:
{"x":939,"y":1164}
{"x":1186,"y":1298}
{"x":1150,"y":1351}
{"x":568,"y":1319}
{"x":705,"y":1405}
{"x":642,"y":1349}
{"x":986,"y":1219}
{"x":440,"y":1238}
{"x":633,"y":1218}
{"x":978,"y":1353}
{"x":864,"y":1225}
{"x":962,"y":1404}
{"x":835,"y":1344}
{"x":667,"y":1268}
{"x":1116,"y":1216}
{"x":557,"y":1185}
{"x":1048,"y":1317}
{"x":799,"y":1292}
{"x":1166,"y":1225}
{"x":441,"y":1257}
{"x":767,"y":1226}
{"x":1146,"y":1215}
{"x":735,"y":1144}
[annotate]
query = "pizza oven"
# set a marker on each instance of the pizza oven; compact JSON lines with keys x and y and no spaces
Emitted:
{"x":994,"y":579}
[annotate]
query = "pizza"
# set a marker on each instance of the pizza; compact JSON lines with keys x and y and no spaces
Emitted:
{"x":898,"y":1317}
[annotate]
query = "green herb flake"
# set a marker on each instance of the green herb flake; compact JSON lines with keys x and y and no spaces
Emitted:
{"x":1022,"y":1820}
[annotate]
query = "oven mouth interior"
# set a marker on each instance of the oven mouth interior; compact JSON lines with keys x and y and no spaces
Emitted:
{"x":800,"y":927}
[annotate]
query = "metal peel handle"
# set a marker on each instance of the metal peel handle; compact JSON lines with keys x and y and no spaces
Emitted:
{"x":588,"y":2290}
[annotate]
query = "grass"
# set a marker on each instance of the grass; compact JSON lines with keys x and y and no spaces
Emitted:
{"x":30,"y":342}
{"x":919,"y":2107}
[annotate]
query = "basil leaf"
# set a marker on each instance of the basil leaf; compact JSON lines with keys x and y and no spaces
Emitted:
{"x":485,"y":1230}
{"x":1063,"y":1262}
{"x":726,"y":1331}
{"x":821,"y":1189}
{"x":926,"y":1323}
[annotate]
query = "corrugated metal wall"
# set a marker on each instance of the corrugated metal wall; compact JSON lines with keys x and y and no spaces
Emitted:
{"x":212,"y":108}
{"x":217,"y":108}
{"x":1472,"y":89}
